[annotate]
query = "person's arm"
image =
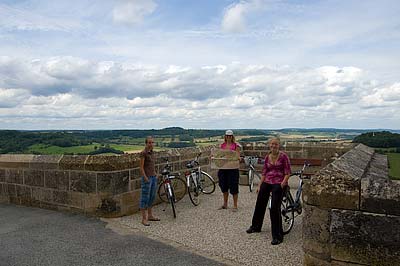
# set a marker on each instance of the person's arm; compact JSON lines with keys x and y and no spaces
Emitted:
{"x":263,"y":173}
{"x":287,"y":170}
{"x":146,"y":179}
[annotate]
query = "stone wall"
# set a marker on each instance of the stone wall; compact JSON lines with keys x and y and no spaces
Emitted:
{"x":96,"y":185}
{"x":352,"y":212}
{"x":110,"y":185}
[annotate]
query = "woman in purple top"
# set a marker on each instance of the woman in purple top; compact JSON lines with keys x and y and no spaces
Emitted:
{"x":229,"y":178}
{"x":275,"y":176}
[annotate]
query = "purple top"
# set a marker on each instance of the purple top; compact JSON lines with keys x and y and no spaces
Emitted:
{"x":275,"y":173}
{"x":233,"y":146}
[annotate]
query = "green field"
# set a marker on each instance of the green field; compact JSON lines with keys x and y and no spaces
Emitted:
{"x":46,"y":149}
{"x":394,"y":164}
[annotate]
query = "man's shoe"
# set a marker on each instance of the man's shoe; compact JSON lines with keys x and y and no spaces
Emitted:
{"x":275,"y":241}
{"x":252,"y":230}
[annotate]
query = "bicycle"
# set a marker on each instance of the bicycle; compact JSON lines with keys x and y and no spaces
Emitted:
{"x":250,"y":161}
{"x":198,"y":181}
{"x":290,"y":206}
{"x":171,"y":189}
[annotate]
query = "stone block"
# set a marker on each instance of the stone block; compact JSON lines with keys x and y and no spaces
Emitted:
{"x":316,"y":232}
{"x":365,"y":238}
{"x":111,"y":162}
{"x":47,"y":195}
{"x":73,"y":162}
{"x":56,"y":179}
{"x":2,"y":175}
{"x":34,"y":177}
{"x":379,"y":194}
{"x":134,"y":174}
{"x":10,"y":190}
{"x":333,"y":188}
{"x":113,"y":182}
{"x":15,"y":160}
{"x":243,"y":180}
{"x":45,"y":162}
{"x":83,"y":182}
{"x":14,"y":176}
{"x":37,"y":194}
{"x":61,"y":197}
{"x":77,"y":200}
{"x":23,"y":191}
{"x":344,"y":263}
{"x":312,"y":261}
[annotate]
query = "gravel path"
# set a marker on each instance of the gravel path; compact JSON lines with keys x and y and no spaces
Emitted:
{"x":219,"y":234}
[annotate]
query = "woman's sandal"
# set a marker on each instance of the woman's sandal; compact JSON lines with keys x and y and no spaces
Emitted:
{"x":145,"y":223}
{"x":154,"y":219}
{"x":222,"y":208}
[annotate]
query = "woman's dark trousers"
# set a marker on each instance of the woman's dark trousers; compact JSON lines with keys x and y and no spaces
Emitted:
{"x":275,"y":211}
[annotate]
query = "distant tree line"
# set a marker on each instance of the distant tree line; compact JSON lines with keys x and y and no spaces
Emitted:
{"x":383,"y":139}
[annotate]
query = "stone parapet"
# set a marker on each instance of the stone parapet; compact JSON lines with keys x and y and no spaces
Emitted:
{"x":352,"y":212}
{"x":95,"y":185}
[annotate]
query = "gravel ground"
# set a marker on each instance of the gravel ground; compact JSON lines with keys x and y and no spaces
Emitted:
{"x":219,"y":234}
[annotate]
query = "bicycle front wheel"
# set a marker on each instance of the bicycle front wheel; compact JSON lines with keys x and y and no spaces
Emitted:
{"x":179,"y":189}
{"x":287,"y":213}
{"x":207,"y":183}
{"x":172,"y":201}
{"x":251,"y":180}
{"x":193,"y":191}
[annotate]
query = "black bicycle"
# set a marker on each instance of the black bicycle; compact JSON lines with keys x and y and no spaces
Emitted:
{"x":198,"y":181}
{"x":291,"y":206}
{"x":172,"y":188}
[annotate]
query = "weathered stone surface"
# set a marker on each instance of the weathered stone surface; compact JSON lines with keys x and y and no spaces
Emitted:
{"x":379,"y":194}
{"x":134,"y":174}
{"x":342,"y":263}
{"x":61,"y":197}
{"x":113,"y":182}
{"x":76,"y":200}
{"x":23,"y":192}
{"x":47,"y":195}
{"x":365,"y":238}
{"x":15,"y":160}
{"x":2,"y":175}
{"x":14,"y":176}
{"x":111,"y":162}
{"x":45,"y":162}
{"x":333,"y":188}
{"x":73,"y":162}
{"x":34,"y":177}
{"x":316,"y":234}
{"x":83,"y":182}
{"x":57,"y":179}
{"x":10,"y":190}
{"x":313,"y":261}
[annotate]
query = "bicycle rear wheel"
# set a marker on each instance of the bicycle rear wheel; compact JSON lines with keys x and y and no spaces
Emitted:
{"x":287,"y":213}
{"x":193,"y":192}
{"x":207,"y":183}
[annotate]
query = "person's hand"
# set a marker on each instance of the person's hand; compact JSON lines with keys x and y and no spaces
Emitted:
{"x":284,"y":183}
{"x":146,"y":179}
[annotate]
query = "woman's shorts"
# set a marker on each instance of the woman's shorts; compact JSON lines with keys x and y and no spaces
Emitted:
{"x":229,"y":180}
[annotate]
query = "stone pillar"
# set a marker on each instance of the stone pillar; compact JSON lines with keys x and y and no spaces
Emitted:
{"x":352,"y":212}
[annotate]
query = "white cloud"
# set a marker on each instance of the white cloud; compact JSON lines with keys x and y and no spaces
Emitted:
{"x":133,"y":11}
{"x":10,"y":98}
{"x":73,"y":92}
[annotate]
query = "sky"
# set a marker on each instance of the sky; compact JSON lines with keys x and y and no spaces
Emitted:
{"x":210,"y":64}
